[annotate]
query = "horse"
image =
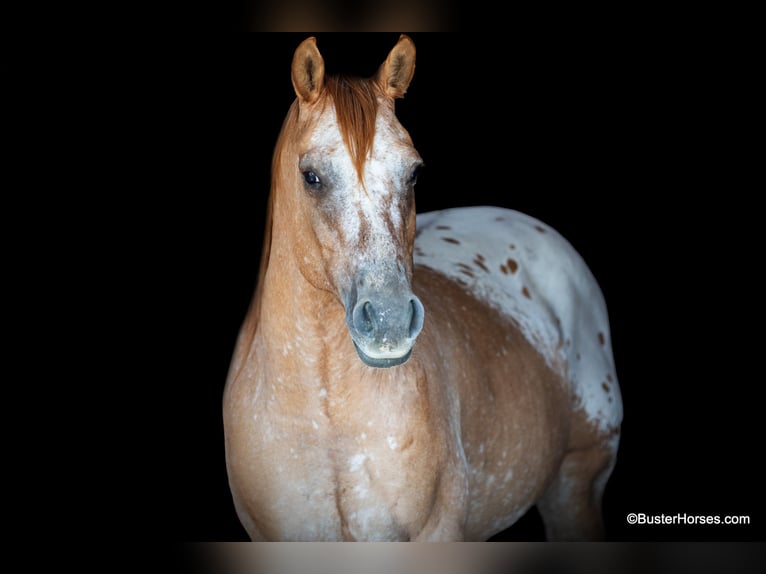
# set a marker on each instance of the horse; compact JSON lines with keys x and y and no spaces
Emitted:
{"x":403,"y":376}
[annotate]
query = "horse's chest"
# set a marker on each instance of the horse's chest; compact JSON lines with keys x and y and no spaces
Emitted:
{"x":363,"y":479}
{"x":372,"y":494}
{"x":336,"y":492}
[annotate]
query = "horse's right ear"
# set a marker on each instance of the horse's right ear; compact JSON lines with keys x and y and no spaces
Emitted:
{"x":308,"y":70}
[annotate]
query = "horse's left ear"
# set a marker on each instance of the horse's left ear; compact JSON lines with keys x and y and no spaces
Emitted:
{"x":395,"y":75}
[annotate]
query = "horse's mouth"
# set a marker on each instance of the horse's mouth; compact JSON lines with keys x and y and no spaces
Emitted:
{"x":382,"y":363}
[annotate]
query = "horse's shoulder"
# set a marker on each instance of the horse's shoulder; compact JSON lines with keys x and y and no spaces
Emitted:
{"x":529,"y":272}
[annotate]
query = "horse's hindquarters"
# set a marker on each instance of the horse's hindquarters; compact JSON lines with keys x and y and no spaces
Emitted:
{"x":531,"y":315}
{"x":511,"y":408}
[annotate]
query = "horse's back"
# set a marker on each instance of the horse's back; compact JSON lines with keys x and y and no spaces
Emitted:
{"x":528,"y":272}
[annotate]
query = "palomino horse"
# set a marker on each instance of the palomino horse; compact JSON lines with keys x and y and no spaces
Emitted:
{"x":403,"y":382}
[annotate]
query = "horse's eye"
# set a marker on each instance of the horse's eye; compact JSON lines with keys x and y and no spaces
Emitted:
{"x":312,"y":178}
{"x":414,"y":175}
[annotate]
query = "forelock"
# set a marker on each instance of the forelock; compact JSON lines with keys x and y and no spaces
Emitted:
{"x":356,"y":107}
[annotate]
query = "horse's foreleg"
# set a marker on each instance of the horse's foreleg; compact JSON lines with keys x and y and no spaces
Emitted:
{"x":571,"y":506}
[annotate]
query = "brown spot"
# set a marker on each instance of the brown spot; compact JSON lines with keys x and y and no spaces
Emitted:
{"x":419,"y":252}
{"x":512,"y":265}
{"x":601,"y":338}
{"x":479,"y":261}
{"x":443,"y":227}
{"x":540,"y":229}
{"x":569,"y":342}
{"x":513,"y":246}
{"x":610,"y":399}
{"x":609,"y":378}
{"x":480,"y":256}
{"x":525,"y":292}
{"x":504,"y":269}
{"x":451,"y":240}
{"x":499,"y":218}
{"x":605,"y":387}
{"x":465,"y":270}
{"x":461,"y":282}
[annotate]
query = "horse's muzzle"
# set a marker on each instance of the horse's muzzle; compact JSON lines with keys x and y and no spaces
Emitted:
{"x":384,"y":326}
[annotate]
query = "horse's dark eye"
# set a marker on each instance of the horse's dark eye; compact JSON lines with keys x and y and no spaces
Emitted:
{"x":312,"y":178}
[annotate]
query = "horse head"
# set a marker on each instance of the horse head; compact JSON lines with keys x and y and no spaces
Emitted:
{"x":347,"y":170}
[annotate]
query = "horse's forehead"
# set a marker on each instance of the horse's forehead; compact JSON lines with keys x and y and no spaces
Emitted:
{"x":323,"y":132}
{"x":323,"y":129}
{"x":374,"y":207}
{"x":388,"y":127}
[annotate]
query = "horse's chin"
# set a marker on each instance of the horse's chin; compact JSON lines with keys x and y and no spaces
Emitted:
{"x":385,"y":363}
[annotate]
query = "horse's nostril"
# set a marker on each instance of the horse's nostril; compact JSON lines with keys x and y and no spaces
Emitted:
{"x":364,"y":318}
{"x":367,"y":317}
{"x":416,"y":321}
{"x":388,"y":320}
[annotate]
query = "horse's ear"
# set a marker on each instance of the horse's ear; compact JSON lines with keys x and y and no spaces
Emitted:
{"x":308,"y":70}
{"x":395,"y":75}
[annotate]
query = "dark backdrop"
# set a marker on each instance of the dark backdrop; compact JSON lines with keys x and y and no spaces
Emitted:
{"x":620,"y":145}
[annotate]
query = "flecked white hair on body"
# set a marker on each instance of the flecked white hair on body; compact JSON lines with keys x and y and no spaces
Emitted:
{"x":529,"y":272}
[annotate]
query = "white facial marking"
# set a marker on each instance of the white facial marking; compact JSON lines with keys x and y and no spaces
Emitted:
{"x":385,"y":181}
{"x":392,"y":444}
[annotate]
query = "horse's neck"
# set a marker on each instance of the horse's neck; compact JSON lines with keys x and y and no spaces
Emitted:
{"x":303,"y":342}
{"x":297,"y":320}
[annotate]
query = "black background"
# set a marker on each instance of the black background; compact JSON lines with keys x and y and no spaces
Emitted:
{"x":623,"y":144}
